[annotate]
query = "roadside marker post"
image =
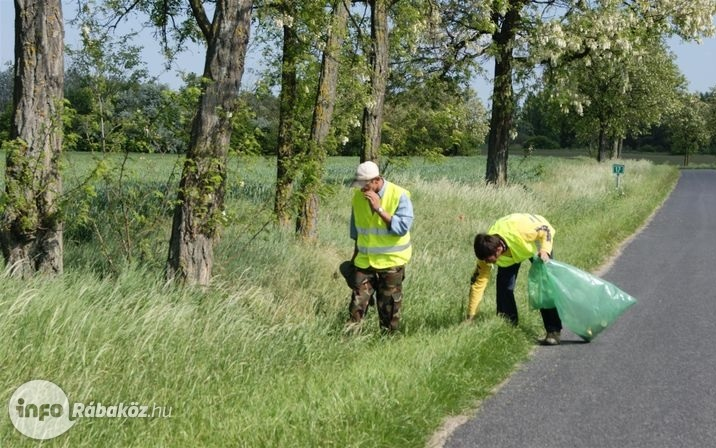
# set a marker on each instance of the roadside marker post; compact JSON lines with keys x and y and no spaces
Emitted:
{"x":618,"y":170}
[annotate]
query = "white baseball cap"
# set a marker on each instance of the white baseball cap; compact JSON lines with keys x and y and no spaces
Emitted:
{"x":365,"y":172}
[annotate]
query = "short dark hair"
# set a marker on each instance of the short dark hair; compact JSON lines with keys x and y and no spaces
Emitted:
{"x":486,"y":245}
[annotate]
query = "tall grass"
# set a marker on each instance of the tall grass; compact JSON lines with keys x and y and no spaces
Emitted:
{"x":261,"y":359}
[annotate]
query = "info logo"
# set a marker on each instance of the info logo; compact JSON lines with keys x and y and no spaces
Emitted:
{"x":40,"y":409}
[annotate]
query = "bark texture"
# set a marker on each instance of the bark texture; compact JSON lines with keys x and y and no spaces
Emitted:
{"x":503,"y":101}
{"x":31,"y":229}
{"x":198,"y":214}
{"x":285,"y":161}
{"x":373,"y":111}
{"x":307,"y":222}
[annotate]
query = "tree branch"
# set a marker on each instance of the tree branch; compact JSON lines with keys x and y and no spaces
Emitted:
{"x":118,"y":18}
{"x":197,"y":10}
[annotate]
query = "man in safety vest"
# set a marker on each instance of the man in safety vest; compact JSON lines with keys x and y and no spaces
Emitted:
{"x":381,"y":216}
{"x":511,"y":240}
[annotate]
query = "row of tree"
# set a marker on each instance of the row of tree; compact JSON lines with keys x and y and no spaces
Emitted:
{"x":131,"y":113}
{"x":674,"y":122}
{"x":334,"y":65}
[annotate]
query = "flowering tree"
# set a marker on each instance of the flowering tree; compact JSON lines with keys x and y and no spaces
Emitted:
{"x":525,"y":34}
{"x":688,"y":126}
{"x":613,"y":94}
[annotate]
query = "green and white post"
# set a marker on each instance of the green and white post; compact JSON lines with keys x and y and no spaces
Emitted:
{"x":618,"y":170}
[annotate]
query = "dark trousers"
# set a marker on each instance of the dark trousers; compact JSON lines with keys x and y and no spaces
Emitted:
{"x":506,"y":305}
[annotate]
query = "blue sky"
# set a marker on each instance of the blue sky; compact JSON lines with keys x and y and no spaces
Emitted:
{"x":696,"y":61}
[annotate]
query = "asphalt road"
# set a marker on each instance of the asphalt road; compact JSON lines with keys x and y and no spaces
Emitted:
{"x":647,"y":381}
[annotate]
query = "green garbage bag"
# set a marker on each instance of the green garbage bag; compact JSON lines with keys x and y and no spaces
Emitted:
{"x":585,"y":303}
{"x":540,"y":290}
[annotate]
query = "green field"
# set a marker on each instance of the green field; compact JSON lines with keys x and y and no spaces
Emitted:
{"x":261,"y":358}
{"x":695,"y":160}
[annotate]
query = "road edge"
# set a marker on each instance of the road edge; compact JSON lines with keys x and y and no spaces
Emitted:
{"x":451,"y":423}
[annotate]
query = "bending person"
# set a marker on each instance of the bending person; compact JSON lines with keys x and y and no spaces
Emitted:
{"x":511,"y":240}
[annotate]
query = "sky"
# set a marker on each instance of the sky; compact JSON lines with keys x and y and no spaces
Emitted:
{"x":696,"y":61}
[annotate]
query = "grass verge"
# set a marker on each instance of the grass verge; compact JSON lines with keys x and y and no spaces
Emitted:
{"x":260,"y":359}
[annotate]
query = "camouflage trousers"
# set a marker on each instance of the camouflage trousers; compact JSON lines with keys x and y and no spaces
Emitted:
{"x":387,"y":285}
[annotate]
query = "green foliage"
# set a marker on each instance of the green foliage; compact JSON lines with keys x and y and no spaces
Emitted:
{"x":648,"y":148}
{"x":139,"y":117}
{"x":308,"y":21}
{"x":434,"y":118}
{"x":5,"y":122}
{"x":442,"y":39}
{"x":6,"y":89}
{"x":27,"y":203}
{"x":6,"y":86}
{"x":120,"y":205}
{"x":454,"y":125}
{"x":710,"y":100}
{"x":540,"y":142}
{"x":614,"y":95}
{"x":116,"y":106}
{"x":690,"y":132}
{"x":255,"y":124}
{"x":540,"y":115}
{"x":19,"y":211}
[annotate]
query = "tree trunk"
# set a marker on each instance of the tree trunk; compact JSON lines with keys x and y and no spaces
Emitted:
{"x":373,"y":111}
{"x":613,"y":148}
{"x":307,"y":222}
{"x":285,"y":163}
{"x":503,"y":101}
{"x":602,"y":144}
{"x":31,"y":230}
{"x":198,"y":214}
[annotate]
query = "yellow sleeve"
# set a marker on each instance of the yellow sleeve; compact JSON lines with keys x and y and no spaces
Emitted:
{"x":477,"y":286}
{"x":542,"y":233}
{"x":544,"y":236}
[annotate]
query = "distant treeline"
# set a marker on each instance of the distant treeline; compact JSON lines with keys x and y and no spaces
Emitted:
{"x":149,"y":117}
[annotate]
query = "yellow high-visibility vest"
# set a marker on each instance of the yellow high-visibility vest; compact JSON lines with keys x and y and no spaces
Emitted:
{"x":522,"y":232}
{"x":377,"y":246}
